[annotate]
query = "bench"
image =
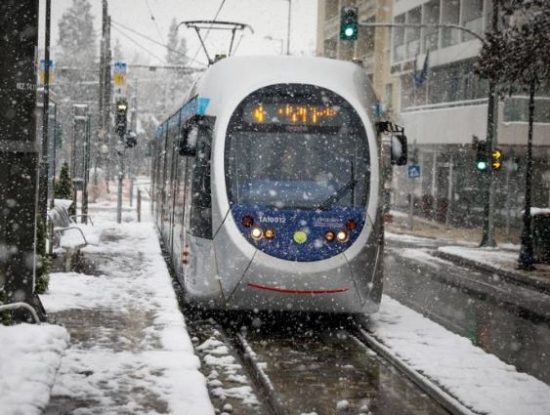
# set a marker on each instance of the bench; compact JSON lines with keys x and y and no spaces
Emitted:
{"x":60,"y":222}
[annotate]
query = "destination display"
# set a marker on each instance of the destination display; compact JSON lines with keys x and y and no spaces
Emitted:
{"x":292,"y":114}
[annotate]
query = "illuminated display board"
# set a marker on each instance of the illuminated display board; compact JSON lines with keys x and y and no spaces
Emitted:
{"x":292,"y":114}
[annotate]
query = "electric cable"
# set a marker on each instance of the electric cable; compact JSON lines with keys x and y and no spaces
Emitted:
{"x":139,"y":45}
{"x":154,"y":20}
{"x":154,"y":41}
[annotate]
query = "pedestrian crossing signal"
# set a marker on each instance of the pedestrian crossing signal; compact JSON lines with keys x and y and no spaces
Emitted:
{"x":496,"y":159}
{"x":349,"y":28}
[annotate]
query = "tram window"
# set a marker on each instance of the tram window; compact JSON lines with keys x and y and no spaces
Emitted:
{"x":201,"y":200}
{"x":188,"y":141}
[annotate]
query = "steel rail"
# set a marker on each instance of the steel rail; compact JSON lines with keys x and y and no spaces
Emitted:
{"x":263,"y":383}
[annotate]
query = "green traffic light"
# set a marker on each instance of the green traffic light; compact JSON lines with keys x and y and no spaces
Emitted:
{"x":482,"y":165}
{"x":349,"y":31}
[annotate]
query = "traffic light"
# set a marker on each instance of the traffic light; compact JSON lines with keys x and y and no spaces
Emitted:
{"x":496,"y":159}
{"x":349,"y":28}
{"x":481,"y":162}
{"x":121,"y":117}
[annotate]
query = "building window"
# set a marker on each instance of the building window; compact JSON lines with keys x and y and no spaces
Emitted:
{"x":516,"y":109}
{"x":399,"y":39}
{"x":472,"y":17}
{"x":431,"y":34}
{"x":414,"y":16}
{"x":450,"y":15}
{"x":365,"y":40}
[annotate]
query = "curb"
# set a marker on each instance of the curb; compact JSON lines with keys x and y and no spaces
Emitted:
{"x":509,"y":276}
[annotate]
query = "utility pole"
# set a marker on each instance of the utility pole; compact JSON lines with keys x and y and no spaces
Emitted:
{"x":488,"y":231}
{"x":18,"y":152}
{"x":44,"y":164}
{"x":86,"y":171}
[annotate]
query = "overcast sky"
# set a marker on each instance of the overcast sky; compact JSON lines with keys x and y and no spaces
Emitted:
{"x":152,"y":18}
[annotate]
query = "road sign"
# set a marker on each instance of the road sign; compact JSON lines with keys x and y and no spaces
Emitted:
{"x":414,"y":171}
{"x":119,"y":78}
{"x":42,"y":71}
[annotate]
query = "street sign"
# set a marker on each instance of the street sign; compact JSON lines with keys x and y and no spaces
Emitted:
{"x":414,"y":171}
{"x":119,"y":78}
{"x":42,"y":71}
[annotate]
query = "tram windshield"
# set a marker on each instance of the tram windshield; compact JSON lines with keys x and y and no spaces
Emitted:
{"x":297,"y":146}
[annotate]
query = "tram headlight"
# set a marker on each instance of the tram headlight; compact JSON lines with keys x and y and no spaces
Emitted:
{"x":247,"y":221}
{"x":329,"y":236}
{"x":256,"y":233}
{"x":342,"y":236}
{"x":269,"y":234}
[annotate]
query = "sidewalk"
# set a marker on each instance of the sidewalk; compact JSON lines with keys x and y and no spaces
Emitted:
{"x":459,"y":245}
{"x":129,"y":351}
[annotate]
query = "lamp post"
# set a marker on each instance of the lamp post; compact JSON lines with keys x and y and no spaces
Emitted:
{"x":43,"y":182}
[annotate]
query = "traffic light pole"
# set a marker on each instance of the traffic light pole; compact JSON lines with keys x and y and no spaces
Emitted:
{"x":18,"y":153}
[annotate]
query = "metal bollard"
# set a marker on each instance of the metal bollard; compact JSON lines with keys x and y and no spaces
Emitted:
{"x":51,"y":236}
{"x":139,"y":205}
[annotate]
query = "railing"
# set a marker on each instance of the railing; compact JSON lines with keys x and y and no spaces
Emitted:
{"x":443,"y":105}
{"x":16,"y":306}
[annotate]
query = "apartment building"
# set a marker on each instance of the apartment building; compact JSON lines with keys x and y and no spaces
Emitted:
{"x":444,"y":107}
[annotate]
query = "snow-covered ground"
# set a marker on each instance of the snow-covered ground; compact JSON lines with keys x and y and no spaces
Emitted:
{"x":130,"y":351}
{"x":29,"y":358}
{"x":478,"y":379}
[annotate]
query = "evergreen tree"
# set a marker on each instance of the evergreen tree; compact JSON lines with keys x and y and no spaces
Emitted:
{"x":177,"y":81}
{"x":63,"y":186}
{"x":77,"y":38}
{"x":177,"y":48}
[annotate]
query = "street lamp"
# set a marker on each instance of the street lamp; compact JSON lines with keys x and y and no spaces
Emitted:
{"x":276,"y":39}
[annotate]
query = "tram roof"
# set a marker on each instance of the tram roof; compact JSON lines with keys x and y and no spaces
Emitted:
{"x":239,"y":76}
{"x":234,"y":78}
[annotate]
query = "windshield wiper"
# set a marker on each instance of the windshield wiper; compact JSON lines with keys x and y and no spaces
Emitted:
{"x":338,"y":195}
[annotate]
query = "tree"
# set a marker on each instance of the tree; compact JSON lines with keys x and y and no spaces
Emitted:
{"x":516,"y":59}
{"x":176,"y":47}
{"x":176,"y":55}
{"x":63,"y":186}
{"x":77,"y":37}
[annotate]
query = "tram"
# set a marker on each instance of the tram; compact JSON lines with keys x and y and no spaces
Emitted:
{"x":267,"y":187}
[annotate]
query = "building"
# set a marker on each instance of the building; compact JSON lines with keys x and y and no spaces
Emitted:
{"x":372,"y":45}
{"x":444,"y":107}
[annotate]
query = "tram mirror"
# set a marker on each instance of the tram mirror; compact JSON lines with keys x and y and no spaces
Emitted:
{"x":399,"y":149}
{"x":188,"y":141}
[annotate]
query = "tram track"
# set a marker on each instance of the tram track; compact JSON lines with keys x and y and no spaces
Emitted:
{"x":345,"y":371}
{"x":362,"y":361}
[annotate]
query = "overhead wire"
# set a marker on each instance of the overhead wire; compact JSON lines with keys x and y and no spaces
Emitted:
{"x":139,"y":45}
{"x":154,"y":20}
{"x":154,"y":41}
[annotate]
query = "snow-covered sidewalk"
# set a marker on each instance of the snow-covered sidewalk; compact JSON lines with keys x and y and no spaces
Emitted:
{"x":479,"y":380}
{"x":130,"y":352}
{"x":31,"y":355}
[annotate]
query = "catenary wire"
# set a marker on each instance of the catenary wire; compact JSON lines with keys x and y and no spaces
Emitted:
{"x":139,"y":45}
{"x":154,"y":20}
{"x":154,"y":41}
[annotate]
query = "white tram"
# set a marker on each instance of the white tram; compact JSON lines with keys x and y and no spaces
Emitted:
{"x":267,"y":187}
